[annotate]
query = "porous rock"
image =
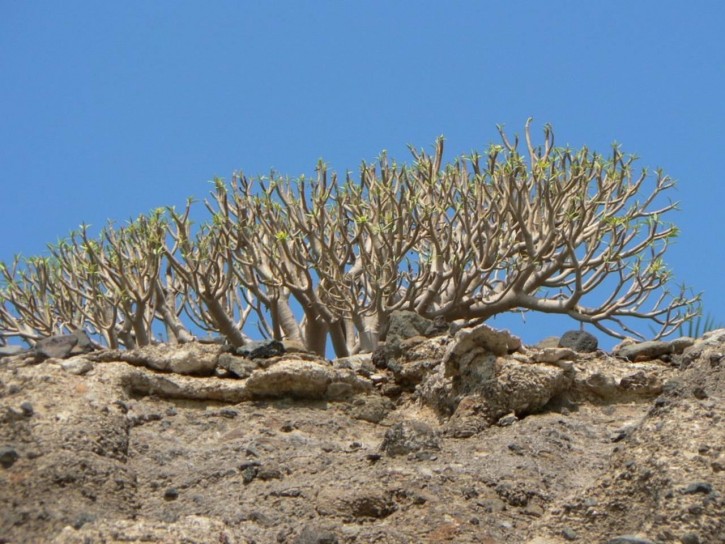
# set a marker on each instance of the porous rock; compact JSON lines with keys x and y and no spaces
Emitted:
{"x":302,"y":379}
{"x":409,"y":437}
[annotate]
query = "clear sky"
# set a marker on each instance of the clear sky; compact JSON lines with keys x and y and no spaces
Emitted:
{"x":110,"y":109}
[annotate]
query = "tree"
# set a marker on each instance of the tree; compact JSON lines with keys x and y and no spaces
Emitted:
{"x":519,"y":227}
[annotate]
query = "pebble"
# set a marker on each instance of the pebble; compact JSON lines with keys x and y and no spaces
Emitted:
{"x":8,"y":456}
{"x":629,"y":539}
{"x":27,"y":408}
{"x":171,"y":494}
{"x":698,"y":487}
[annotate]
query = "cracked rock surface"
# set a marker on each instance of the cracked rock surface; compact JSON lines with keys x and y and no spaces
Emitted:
{"x":471,"y":438}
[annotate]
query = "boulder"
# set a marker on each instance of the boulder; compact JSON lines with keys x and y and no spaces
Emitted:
{"x":304,"y":379}
{"x":580,"y":341}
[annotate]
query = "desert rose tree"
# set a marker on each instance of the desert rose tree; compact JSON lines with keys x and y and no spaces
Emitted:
{"x":519,"y":227}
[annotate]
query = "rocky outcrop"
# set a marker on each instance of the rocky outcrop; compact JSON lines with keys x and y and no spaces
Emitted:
{"x":467,"y":438}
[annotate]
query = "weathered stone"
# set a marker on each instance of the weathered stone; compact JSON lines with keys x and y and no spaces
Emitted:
{"x":55,"y":347}
{"x":580,"y":341}
{"x":404,"y":324}
{"x":261,"y":350}
{"x":366,"y":501}
{"x":552,"y":355}
{"x":679,"y":345}
{"x":312,"y":534}
{"x":491,"y":340}
{"x":239,"y":367}
{"x":409,"y":437}
{"x":372,"y":408}
{"x":301,"y":379}
{"x":644,"y":351}
{"x":77,"y":365}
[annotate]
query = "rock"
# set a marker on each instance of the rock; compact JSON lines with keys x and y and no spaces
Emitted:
{"x":55,"y":347}
{"x":6,"y":351}
{"x":171,"y":494}
{"x":372,"y":408}
{"x":362,"y":501}
{"x":490,"y":340}
{"x":629,"y":539}
{"x":553,"y":355}
{"x":84,"y":344}
{"x":192,"y":358}
{"x":8,"y":456}
{"x":27,"y":409}
{"x":507,"y":420}
{"x":403,"y":324}
{"x":409,"y":437}
{"x":239,"y":367}
{"x":580,"y":341}
{"x":698,"y":487}
{"x":312,"y":534}
{"x":261,"y":350}
{"x":181,"y":529}
{"x":302,"y":379}
{"x":679,"y":345}
{"x":644,"y":351}
{"x":77,"y":365}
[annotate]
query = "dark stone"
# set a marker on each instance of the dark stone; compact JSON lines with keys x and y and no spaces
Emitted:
{"x":690,"y":538}
{"x":315,"y":535}
{"x":409,"y":437}
{"x":27,"y":408}
{"x":58,"y":347}
{"x":238,"y":367}
{"x":699,"y":393}
{"x":569,"y":534}
{"x":261,"y":350}
{"x":249,"y":471}
{"x":697,"y":487}
{"x":580,"y":341}
{"x":379,"y":357}
{"x":171,"y":494}
{"x":8,"y":456}
{"x":628,"y":539}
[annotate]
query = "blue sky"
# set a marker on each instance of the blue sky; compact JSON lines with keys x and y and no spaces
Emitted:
{"x":110,"y":109}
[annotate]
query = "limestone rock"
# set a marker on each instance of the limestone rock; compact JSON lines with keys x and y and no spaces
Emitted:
{"x":482,"y":336}
{"x":302,"y":379}
{"x":645,"y":351}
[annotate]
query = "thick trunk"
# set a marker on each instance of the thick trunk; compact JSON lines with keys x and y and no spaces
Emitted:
{"x":315,"y":333}
{"x":224,"y":323}
{"x":339,"y":339}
